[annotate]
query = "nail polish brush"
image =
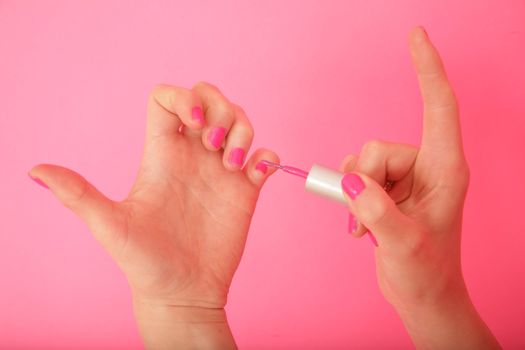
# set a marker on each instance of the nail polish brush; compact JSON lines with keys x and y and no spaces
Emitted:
{"x":320,"y":180}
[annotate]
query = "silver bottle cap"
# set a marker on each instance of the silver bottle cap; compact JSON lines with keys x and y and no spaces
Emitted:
{"x":325,"y":182}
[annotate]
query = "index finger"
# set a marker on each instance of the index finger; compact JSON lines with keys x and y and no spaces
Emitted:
{"x":441,"y":128}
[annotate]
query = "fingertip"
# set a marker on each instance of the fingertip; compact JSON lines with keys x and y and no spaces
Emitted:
{"x":417,"y":42}
{"x":256,"y":170}
{"x":348,"y":163}
{"x":418,"y":34}
{"x":31,"y":172}
{"x":262,"y":168}
{"x":41,"y":170}
{"x":37,"y":180}
{"x":36,"y":168}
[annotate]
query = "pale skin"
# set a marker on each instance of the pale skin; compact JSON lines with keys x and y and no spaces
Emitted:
{"x":180,"y":233}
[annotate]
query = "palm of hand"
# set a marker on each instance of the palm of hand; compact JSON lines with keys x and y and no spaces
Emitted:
{"x":187,"y":220}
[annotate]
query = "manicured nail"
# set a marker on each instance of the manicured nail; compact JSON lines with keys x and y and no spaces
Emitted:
{"x":352,"y":224}
{"x":372,"y":238}
{"x":38,"y":181}
{"x":196,"y":114}
{"x":236,"y":156}
{"x":216,"y":136}
{"x":352,"y":185}
{"x":263,"y":168}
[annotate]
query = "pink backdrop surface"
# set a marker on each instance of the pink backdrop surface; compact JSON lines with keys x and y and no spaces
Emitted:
{"x":317,"y":79}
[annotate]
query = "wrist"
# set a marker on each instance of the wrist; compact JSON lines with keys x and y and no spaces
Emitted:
{"x":174,"y":326}
{"x":206,"y":297}
{"x":153,"y":310}
{"x":448,"y":322}
{"x":454,"y":296}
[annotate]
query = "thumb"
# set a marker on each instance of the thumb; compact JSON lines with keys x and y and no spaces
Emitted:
{"x":76,"y":193}
{"x":374,"y":208}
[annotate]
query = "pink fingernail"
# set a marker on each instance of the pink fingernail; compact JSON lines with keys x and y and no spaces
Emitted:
{"x":216,"y":136}
{"x":236,"y":156}
{"x":352,"y":224}
{"x":263,"y":168}
{"x":196,"y":114}
{"x":372,"y":238}
{"x":352,"y":185}
{"x":38,"y":181}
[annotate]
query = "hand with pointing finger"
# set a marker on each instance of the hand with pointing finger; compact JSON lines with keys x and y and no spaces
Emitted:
{"x":417,"y":223}
{"x":180,"y":233}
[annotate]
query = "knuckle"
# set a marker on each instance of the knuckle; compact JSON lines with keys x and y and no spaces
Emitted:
{"x":157,"y":88}
{"x":224,"y":109}
{"x":155,"y":91}
{"x":199,"y":84}
{"x":202,"y":84}
{"x":193,"y":96}
{"x":167,"y":94}
{"x":160,"y":88}
{"x":243,"y":120}
{"x":77,"y":193}
{"x":239,"y":109}
{"x":444,"y":99}
{"x":373,"y":147}
{"x":372,"y":159}
{"x":249,"y":130}
{"x":172,"y":98}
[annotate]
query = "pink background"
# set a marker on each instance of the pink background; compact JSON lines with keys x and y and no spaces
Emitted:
{"x":317,"y":79}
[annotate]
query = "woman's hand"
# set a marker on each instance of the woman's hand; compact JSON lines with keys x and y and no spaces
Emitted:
{"x":417,"y":223}
{"x":180,"y":233}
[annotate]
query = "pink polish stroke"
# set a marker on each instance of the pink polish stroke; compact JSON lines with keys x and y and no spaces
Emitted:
{"x":216,"y":136}
{"x":38,"y":181}
{"x":287,"y":169}
{"x":372,"y":238}
{"x":237,"y":156}
{"x":262,"y":167}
